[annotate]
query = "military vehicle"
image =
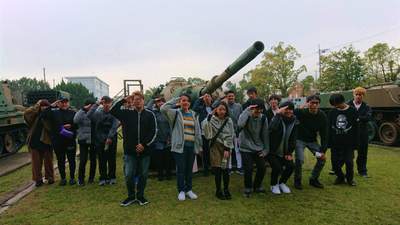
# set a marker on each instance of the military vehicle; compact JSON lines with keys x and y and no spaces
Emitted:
{"x":384,"y":100}
{"x":31,"y":97}
{"x":178,"y":86}
{"x":13,"y":130}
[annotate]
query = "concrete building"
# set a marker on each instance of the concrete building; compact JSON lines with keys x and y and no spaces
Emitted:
{"x":96,"y":86}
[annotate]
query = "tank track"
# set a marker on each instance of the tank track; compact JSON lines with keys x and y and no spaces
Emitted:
{"x":18,"y":145}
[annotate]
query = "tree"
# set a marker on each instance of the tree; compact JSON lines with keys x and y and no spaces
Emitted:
{"x":25,"y":84}
{"x":232,"y":87}
{"x":276,"y":73}
{"x":382,"y":63}
{"x":153,"y":92}
{"x":195,"y":81}
{"x":341,"y":70}
{"x":77,"y":91}
{"x":306,"y":85}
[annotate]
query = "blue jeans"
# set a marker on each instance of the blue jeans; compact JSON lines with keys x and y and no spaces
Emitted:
{"x":133,"y":164}
{"x":184,"y":168}
{"x":299,"y":156}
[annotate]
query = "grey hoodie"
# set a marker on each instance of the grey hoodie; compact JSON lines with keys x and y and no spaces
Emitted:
{"x":254,"y":136}
{"x":106,"y":125}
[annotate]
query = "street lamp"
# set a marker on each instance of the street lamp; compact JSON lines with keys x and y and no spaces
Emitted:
{"x":319,"y":58}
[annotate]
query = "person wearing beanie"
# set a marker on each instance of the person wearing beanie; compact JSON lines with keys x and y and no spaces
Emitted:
{"x":105,"y":139}
{"x":253,"y":145}
{"x":39,"y":143}
{"x":85,"y":142}
{"x":283,"y":130}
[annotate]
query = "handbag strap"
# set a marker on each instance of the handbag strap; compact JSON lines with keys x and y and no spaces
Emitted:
{"x":219,"y":131}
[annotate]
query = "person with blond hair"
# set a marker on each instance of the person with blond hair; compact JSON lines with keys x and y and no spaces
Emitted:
{"x":364,"y":115}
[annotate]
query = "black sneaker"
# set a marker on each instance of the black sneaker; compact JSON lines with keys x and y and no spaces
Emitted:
{"x":72,"y":181}
{"x":90,"y":181}
{"x":220,"y":195}
{"x":128,"y":201}
{"x":228,"y":195}
{"x":260,"y":190}
{"x":297,"y":184}
{"x":316,"y":183}
{"x":81,"y":183}
{"x":351,"y":182}
{"x":247,"y":192}
{"x":338,"y":181}
{"x":142,"y":200}
{"x":63,"y":182}
{"x":51,"y":181}
{"x":39,"y":183}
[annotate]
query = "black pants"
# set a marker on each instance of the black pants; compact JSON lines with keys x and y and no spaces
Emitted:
{"x":163,"y":161}
{"x":62,"y":149}
{"x":249,"y":159}
{"x":277,"y":163}
{"x":342,"y":155}
{"x":362,"y":153}
{"x":221,"y":173}
{"x":206,"y":153}
{"x":110,"y":157}
{"x":85,"y":150}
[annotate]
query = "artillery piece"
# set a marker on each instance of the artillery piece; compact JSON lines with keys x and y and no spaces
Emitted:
{"x":176,"y":87}
{"x":13,"y":130}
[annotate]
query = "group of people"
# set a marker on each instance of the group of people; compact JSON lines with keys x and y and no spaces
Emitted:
{"x":213,"y":130}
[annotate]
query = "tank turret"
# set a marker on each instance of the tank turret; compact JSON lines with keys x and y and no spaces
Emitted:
{"x":13,"y":130}
{"x":178,"y":86}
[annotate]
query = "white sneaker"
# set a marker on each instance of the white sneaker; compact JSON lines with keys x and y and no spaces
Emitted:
{"x":275,"y":190}
{"x":284,"y":188}
{"x":181,"y":196}
{"x":191,"y":195}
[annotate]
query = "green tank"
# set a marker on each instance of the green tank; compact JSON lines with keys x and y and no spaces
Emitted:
{"x":13,"y":130}
{"x":178,"y":86}
{"x":384,"y":100}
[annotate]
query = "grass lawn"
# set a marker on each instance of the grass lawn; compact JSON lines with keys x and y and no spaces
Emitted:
{"x":373,"y":201}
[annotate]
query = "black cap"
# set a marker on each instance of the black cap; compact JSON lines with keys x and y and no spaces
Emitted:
{"x":258,"y":102}
{"x":89,"y":101}
{"x":252,"y":89}
{"x":63,"y":98}
{"x":106,"y":98}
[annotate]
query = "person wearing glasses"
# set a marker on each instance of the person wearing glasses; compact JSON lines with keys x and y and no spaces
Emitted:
{"x":140,"y":133}
{"x":313,"y":121}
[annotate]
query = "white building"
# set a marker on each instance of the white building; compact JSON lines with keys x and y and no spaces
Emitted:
{"x":96,"y":86}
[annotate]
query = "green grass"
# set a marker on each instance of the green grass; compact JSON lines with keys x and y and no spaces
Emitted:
{"x":373,"y":201}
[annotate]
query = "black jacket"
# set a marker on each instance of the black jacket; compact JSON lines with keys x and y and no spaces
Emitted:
{"x":276,"y":134}
{"x":139,"y":128}
{"x":57,"y":118}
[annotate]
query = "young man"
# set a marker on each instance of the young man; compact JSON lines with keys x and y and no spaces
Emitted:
{"x":253,"y":145}
{"x":312,"y":121}
{"x":140,"y":133}
{"x":86,"y":145}
{"x":252,"y":94}
{"x":274,"y":100}
{"x":235,"y":110}
{"x":364,"y":115}
{"x":105,"y":139}
{"x":344,"y":137}
{"x":202,"y":106}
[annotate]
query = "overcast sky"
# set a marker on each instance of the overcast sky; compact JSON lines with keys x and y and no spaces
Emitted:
{"x":156,"y":40}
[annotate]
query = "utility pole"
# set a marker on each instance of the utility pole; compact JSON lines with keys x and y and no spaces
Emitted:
{"x":44,"y":81}
{"x":319,"y":58}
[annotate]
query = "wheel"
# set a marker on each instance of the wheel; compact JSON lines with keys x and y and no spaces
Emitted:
{"x":21,"y":135}
{"x":389,"y":133}
{"x":9,"y":142}
{"x":1,"y":145}
{"x":372,"y":130}
{"x":378,"y":116}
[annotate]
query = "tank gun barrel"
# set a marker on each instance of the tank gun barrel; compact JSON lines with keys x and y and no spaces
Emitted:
{"x":238,"y":64}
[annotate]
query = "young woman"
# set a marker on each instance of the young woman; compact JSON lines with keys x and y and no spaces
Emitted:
{"x":283,"y":134}
{"x":186,"y":142}
{"x":218,"y":129}
{"x":162,"y":144}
